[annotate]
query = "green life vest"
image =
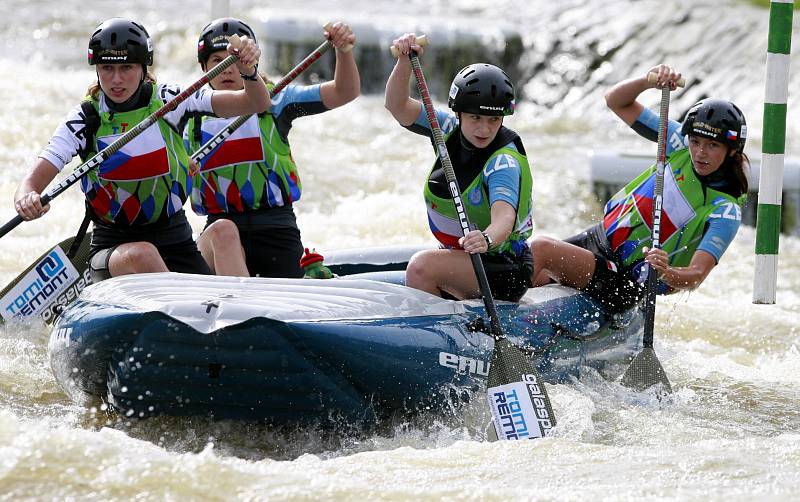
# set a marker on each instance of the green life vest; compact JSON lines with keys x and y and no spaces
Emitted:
{"x":686,"y":207}
{"x":147,"y":180}
{"x":442,"y":215}
{"x":252,"y":169}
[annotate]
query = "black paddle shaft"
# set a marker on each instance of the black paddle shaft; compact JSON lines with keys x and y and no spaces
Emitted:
{"x":452,"y":183}
{"x":658,"y":195}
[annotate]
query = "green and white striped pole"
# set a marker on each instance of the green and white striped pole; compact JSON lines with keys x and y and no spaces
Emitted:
{"x":770,"y":184}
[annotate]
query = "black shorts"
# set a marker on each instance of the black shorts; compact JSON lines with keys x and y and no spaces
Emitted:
{"x":271,"y":241}
{"x":612,"y":285}
{"x":172,"y":238}
{"x":509,"y":276}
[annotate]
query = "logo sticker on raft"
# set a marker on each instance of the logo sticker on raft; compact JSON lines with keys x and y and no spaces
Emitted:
{"x":42,"y":287}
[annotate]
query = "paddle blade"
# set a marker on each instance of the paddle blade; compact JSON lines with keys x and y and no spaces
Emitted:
{"x":518,"y":400}
{"x":49,"y":283}
{"x":645,"y":371}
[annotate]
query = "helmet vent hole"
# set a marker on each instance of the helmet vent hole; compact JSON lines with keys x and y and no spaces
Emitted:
{"x":473,"y":81}
{"x":494,"y":91}
{"x":113,"y":39}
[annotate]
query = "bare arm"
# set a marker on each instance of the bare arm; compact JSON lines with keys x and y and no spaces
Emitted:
{"x":689,"y":277}
{"x":398,"y":101}
{"x":621,"y":98}
{"x":346,"y":83}
{"x":504,"y":216}
{"x":27,"y":199}
{"x":254,"y":98}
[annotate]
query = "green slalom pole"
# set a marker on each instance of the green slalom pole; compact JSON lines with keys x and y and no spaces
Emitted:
{"x":770,"y":184}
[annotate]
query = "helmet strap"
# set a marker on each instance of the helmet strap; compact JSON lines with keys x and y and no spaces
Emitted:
{"x":465,"y":144}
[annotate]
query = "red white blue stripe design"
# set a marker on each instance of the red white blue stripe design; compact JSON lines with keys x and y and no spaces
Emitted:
{"x":242,"y":146}
{"x":620,"y":213}
{"x":142,"y":158}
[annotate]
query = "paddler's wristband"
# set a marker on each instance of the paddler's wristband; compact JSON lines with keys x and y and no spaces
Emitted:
{"x":252,"y":77}
{"x":489,"y":242}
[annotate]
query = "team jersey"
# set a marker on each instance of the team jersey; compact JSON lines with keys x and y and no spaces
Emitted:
{"x":724,"y":221}
{"x":69,"y":137}
{"x":253,"y":168}
{"x":295,"y":101}
{"x":502,"y":174}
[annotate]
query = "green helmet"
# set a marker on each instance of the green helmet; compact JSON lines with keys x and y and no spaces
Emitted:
{"x":119,"y":40}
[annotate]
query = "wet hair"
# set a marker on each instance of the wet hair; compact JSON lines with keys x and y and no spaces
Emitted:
{"x":731,"y":177}
{"x":735,"y":169}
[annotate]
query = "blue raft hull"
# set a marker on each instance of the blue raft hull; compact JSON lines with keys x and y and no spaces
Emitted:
{"x":299,"y":366}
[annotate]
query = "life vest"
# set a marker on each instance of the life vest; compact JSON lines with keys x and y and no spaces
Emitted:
{"x":147,"y":180}
{"x":252,"y":169}
{"x":442,"y":215}
{"x":686,"y":206}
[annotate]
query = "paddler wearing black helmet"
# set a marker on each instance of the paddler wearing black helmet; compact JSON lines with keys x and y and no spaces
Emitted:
{"x":494,"y":180}
{"x":134,"y":197}
{"x":705,"y":185}
{"x":248,"y":186}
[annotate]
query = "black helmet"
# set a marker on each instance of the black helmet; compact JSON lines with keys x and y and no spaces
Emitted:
{"x":719,"y":120}
{"x":213,"y":36}
{"x":482,"y":89}
{"x":119,"y":40}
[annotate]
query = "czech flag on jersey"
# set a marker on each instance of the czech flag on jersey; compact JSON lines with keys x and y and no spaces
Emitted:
{"x":676,"y":212}
{"x":446,"y":230}
{"x":242,"y":146}
{"x":142,"y":158}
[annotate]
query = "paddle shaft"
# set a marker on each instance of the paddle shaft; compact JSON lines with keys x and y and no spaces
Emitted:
{"x":658,"y":194}
{"x":221,"y":136}
{"x":123,"y":140}
{"x":452,"y":183}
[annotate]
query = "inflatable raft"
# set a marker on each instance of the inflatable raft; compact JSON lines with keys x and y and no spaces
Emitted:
{"x":361,"y":346}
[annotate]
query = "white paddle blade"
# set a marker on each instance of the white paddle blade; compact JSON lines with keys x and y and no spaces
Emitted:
{"x":517,"y":398}
{"x":52,"y":281}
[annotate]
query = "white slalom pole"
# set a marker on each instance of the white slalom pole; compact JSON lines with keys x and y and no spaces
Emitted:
{"x":768,"y":222}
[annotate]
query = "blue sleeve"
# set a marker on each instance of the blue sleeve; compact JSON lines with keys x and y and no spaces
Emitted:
{"x":447,"y":121}
{"x":646,"y":125}
{"x":502,"y":176}
{"x":295,"y":101}
{"x":723,"y":223}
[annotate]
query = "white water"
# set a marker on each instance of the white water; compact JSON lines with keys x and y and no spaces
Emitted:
{"x":730,"y":431}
